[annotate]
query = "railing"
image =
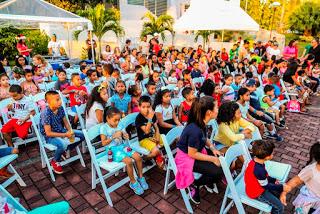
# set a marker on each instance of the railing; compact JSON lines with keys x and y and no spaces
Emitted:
{"x":157,"y":7}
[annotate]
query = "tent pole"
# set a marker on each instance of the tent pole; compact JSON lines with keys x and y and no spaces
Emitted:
{"x":69,"y":49}
{"x":92,"y":48}
{"x":222,"y":38}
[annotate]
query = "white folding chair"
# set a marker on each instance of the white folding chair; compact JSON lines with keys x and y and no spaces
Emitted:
{"x":127,"y":77}
{"x":176,"y":102}
{"x":12,"y":201}
{"x":171,"y":87}
{"x":236,"y":187}
{"x":36,"y":98}
{"x":171,"y":167}
{"x":80,"y":112}
{"x":6,"y":161}
{"x":42,"y":86}
{"x":286,"y":92}
{"x":50,"y":85}
{"x":100,"y":161}
{"x":43,"y":145}
{"x":198,"y":80}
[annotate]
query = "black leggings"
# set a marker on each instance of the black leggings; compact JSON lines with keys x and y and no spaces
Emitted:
{"x":314,"y":89}
{"x":210,"y":172}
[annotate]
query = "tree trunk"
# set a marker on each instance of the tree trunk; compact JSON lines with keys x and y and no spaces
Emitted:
{"x":99,"y":48}
{"x":307,"y":32}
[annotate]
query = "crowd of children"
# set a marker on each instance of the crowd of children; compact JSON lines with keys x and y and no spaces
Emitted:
{"x":242,"y":91}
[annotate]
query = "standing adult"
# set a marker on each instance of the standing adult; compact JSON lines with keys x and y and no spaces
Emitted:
{"x":315,"y":49}
{"x":274,"y":50}
{"x":192,"y":156}
{"x":90,"y":45}
{"x":260,"y":49}
{"x":144,"y":46}
{"x":244,"y":51}
{"x":54,"y":47}
{"x":290,"y":51}
{"x":23,"y":48}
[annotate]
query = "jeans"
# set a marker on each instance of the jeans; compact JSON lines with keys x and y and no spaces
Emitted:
{"x":5,"y":151}
{"x":63,"y":144}
{"x":273,"y":200}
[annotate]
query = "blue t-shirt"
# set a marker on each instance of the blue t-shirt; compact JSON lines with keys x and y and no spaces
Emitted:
{"x":255,"y":102}
{"x":121,"y":104}
{"x":52,"y":119}
{"x":277,"y":91}
{"x":236,"y":89}
{"x":83,"y":76}
{"x":192,"y":136}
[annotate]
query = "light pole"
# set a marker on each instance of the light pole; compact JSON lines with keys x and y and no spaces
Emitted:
{"x":274,"y":5}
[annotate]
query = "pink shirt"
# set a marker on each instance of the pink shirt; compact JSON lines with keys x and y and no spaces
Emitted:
{"x":289,"y":50}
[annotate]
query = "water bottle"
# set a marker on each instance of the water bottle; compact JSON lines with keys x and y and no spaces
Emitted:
{"x":110,"y":159}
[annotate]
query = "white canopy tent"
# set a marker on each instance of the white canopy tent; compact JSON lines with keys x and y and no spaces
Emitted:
{"x":215,"y":15}
{"x":33,"y":12}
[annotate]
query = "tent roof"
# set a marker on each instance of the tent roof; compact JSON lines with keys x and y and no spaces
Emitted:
{"x":36,"y":11}
{"x":215,"y":15}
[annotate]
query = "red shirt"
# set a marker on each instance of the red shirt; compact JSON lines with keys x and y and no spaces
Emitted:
{"x":224,"y":56}
{"x":253,"y":188}
{"x":23,"y":48}
{"x":185,"y":111}
{"x":75,"y":97}
{"x":217,"y":97}
{"x":156,"y":49}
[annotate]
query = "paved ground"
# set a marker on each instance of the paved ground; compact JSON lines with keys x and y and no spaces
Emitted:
{"x":75,"y":184}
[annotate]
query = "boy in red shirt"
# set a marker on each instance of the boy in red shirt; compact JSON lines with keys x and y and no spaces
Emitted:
{"x":258,"y":184}
{"x":77,"y":94}
{"x":185,"y":106}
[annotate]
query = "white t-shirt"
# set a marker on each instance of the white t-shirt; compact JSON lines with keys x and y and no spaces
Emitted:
{"x":55,"y":47}
{"x":244,"y":109}
{"x":144,"y":47}
{"x":167,"y":113}
{"x":310,"y":175}
{"x":275,"y":52}
{"x":22,"y":108}
{"x":91,"y":119}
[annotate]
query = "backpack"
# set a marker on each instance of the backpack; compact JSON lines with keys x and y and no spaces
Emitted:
{"x":293,"y":106}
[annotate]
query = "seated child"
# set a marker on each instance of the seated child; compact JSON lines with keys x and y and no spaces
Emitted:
{"x":22,"y":107}
{"x":273,"y":107}
{"x":115,"y":139}
{"x":29,"y":86}
{"x":121,"y":100}
{"x":165,"y":112}
{"x":93,"y":80}
{"x":308,"y":200}
{"x":151,"y":91}
{"x":258,"y":184}
{"x":236,"y":85}
{"x":217,"y":94}
{"x":135,"y":93}
{"x":172,"y":79}
{"x":77,"y":93}
{"x":62,"y":82}
{"x":56,"y":129}
{"x":4,"y":152}
{"x":230,"y":121}
{"x":187,"y":80}
{"x":95,"y":106}
{"x":155,"y":77}
{"x":17,"y":75}
{"x":4,"y":86}
{"x":107,"y":77}
{"x":227,"y":90}
{"x":185,"y":106}
{"x":195,"y":73}
{"x":148,"y":131}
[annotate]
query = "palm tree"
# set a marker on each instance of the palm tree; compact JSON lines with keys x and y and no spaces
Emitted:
{"x":103,"y":20}
{"x":205,"y":34}
{"x":155,"y":24}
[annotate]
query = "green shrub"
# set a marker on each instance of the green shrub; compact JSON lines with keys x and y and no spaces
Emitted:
{"x":36,"y":40}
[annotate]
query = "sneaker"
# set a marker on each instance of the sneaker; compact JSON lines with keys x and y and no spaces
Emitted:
{"x":143,"y":183}
{"x":269,"y":135}
{"x":209,"y":188}
{"x":56,"y":167}
{"x":280,"y":126}
{"x":278,"y":138}
{"x":136,"y":187}
{"x":283,"y":122}
{"x":194,"y":195}
{"x":5,"y":173}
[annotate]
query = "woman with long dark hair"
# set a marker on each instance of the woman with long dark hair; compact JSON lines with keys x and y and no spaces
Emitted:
{"x":192,"y":156}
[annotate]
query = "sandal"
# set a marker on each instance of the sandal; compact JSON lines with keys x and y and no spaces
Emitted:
{"x":160,"y":161}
